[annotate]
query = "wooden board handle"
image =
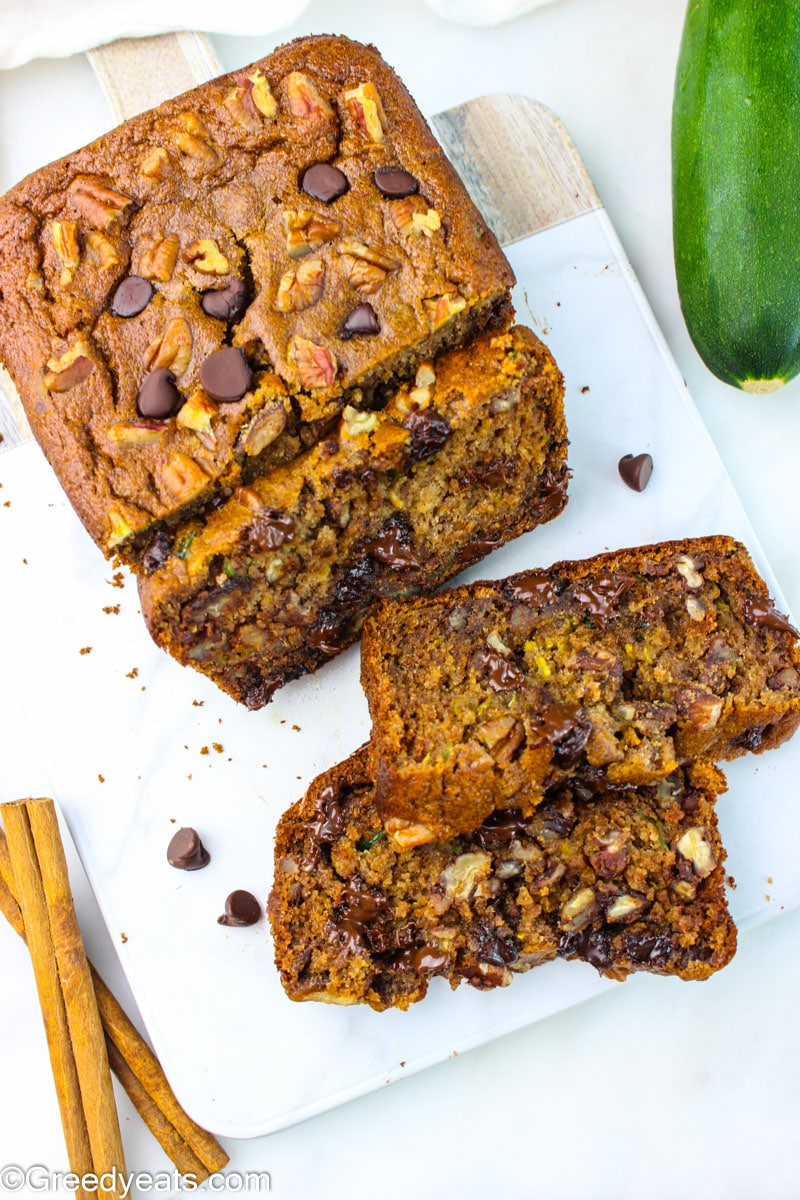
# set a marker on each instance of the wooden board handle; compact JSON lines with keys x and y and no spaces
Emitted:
{"x":139,"y":73}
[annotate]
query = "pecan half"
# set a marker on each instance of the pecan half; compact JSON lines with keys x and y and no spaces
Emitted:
{"x":304,"y":97}
{"x":71,"y":368}
{"x":100,"y":205}
{"x":315,"y":364}
{"x":157,"y":257}
{"x":364,"y":105}
{"x":411,"y":216}
{"x":183,"y":476}
{"x":442,"y":308}
{"x":100,"y":251}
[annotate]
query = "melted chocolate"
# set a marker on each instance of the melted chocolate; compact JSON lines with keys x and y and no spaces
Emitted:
{"x":552,"y":494}
{"x":427,"y":959}
{"x":478,"y":548}
{"x":392,"y":546}
{"x":503,"y":675}
{"x":764,"y":614}
{"x":502,"y":827}
{"x":534,"y":589}
{"x":567,"y":728}
{"x":601,"y":596}
{"x":269,"y":529}
{"x":492,"y":474}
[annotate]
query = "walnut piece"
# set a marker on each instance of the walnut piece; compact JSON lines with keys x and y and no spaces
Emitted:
{"x":173,"y":349}
{"x":461,"y":878}
{"x":316,"y":366}
{"x":207,"y":257}
{"x":404,"y":835}
{"x":100,"y":205}
{"x":305,"y":98}
{"x":71,"y":368}
{"x":157,"y":257}
{"x":305,"y":231}
{"x":301,"y":287}
{"x":355,"y":422}
{"x":364,"y":105}
{"x":687,"y":567}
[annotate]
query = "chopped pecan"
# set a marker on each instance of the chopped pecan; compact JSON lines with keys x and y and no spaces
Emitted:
{"x":136,"y":433}
{"x":365,"y":268}
{"x":100,"y":251}
{"x":701,"y":709}
{"x":304,"y":97}
{"x":263,"y":429}
{"x":67,"y":248}
{"x":207,"y":257}
{"x":305,"y":231}
{"x":579,"y":910}
{"x":157,"y":257}
{"x":301,"y":286}
{"x":405,"y":835}
{"x":502,"y":737}
{"x":197,"y":412}
{"x":442,"y":308}
{"x":694,"y":847}
{"x":155,"y":162}
{"x":100,"y":205}
{"x":316,"y":366}
{"x":71,"y":368}
{"x":411,"y":215}
{"x":183,"y":476}
{"x":194,"y":140}
{"x":364,"y":105}
{"x":250,"y":100}
{"x":173,"y":349}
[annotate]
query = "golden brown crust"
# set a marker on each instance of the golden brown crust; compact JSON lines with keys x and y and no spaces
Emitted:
{"x":277,"y":580}
{"x":628,"y":880}
{"x":200,"y":193}
{"x":620,"y":667}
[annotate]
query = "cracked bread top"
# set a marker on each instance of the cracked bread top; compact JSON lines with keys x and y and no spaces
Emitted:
{"x":297,"y":215}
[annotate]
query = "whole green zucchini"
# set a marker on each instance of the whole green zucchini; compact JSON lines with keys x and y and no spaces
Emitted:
{"x":736,"y":187}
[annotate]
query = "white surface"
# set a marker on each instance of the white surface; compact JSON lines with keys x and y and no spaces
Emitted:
{"x":165,"y":748}
{"x":657,"y":1087}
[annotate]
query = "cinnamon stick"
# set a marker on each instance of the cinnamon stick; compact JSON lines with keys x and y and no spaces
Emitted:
{"x":66,"y":1074}
{"x":193,"y":1151}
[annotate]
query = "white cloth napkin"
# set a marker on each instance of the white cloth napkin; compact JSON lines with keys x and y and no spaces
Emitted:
{"x":58,"y":28}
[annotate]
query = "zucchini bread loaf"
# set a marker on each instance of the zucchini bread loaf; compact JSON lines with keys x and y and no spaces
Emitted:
{"x":195,"y":296}
{"x":628,"y":879}
{"x":278,"y":579}
{"x":617,"y":669}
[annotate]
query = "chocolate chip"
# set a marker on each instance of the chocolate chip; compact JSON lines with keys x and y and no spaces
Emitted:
{"x":225,"y":375}
{"x":132,"y":295}
{"x":393,"y":546}
{"x":241,"y":908}
{"x":568,"y":729}
{"x":186,"y":851}
{"x":157,"y":552}
{"x":361,"y":322}
{"x":502,"y":674}
{"x":764,"y":613}
{"x":269,"y":529}
{"x":324,"y":182}
{"x":158,"y":397}
{"x":636,"y":471}
{"x":394,"y":182}
{"x":429,"y":432}
{"x":228,"y":304}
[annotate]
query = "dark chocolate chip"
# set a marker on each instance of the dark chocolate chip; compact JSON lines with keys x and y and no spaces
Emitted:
{"x":495,"y":947}
{"x":158,"y":397}
{"x":427,"y":959}
{"x":476,"y":549}
{"x":186,"y":851}
{"x":241,"y":908}
{"x":600,"y":597}
{"x":636,"y":470}
{"x":157,"y":552}
{"x":567,"y":728}
{"x":647,"y":946}
{"x":131,"y":296}
{"x":361,"y":322}
{"x":534,"y":589}
{"x":228,"y":304}
{"x":429,"y":432}
{"x":324,"y":182}
{"x":394,"y":182}
{"x":225,"y":375}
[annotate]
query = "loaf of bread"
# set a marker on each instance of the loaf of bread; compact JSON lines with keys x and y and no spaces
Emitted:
{"x":278,"y":579}
{"x":629,"y":879}
{"x":195,"y":296}
{"x":617,"y":669}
